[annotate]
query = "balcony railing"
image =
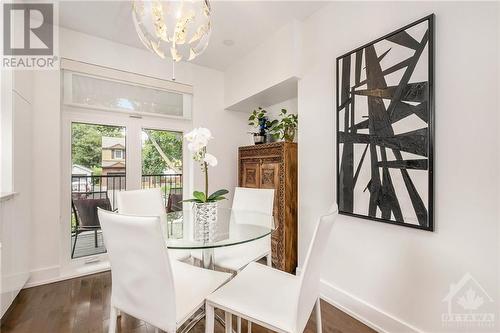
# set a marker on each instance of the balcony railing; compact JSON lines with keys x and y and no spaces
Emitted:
{"x":98,"y":187}
{"x":87,"y":241}
{"x":169,"y":184}
{"x":108,"y":185}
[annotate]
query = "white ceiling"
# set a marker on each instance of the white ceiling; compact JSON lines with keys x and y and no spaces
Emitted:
{"x":247,"y":23}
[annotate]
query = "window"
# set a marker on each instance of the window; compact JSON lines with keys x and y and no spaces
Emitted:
{"x":162,"y":165}
{"x":103,"y":151}
{"x":96,"y":87}
{"x":118,"y":154}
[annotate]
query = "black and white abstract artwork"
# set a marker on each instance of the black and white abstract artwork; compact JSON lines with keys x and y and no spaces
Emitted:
{"x":385,"y":128}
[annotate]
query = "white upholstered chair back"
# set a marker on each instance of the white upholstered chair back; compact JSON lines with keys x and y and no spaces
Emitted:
{"x":148,"y":202}
{"x":310,"y":275}
{"x":142,"y":279}
{"x":253,"y":200}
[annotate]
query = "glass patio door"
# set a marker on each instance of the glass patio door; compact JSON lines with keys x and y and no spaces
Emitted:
{"x":162,"y":164}
{"x":98,"y":172}
{"x":104,"y":161}
{"x":120,"y":131}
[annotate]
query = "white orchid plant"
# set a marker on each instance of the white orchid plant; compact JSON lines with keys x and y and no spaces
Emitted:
{"x":197,"y":144}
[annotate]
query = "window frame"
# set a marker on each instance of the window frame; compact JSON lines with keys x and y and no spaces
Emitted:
{"x":71,"y":67}
{"x":115,"y":151}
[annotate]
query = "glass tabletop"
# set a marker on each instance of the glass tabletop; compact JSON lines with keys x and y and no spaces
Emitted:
{"x":231,"y":228}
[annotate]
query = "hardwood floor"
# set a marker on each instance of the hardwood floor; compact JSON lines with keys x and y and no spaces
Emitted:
{"x":82,"y":305}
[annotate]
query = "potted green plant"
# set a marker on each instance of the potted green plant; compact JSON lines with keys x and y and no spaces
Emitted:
{"x":286,"y":127}
{"x":205,"y":205}
{"x":258,"y":119}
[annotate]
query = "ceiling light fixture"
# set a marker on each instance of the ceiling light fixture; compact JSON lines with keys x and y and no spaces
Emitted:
{"x":176,"y":29}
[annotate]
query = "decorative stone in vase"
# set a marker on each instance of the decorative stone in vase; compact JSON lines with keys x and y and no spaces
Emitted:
{"x":205,"y":221}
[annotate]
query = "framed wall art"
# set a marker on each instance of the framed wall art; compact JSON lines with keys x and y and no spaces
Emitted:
{"x":385,"y":128}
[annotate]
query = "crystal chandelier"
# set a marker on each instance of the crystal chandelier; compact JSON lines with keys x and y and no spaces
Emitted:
{"x":176,"y":29}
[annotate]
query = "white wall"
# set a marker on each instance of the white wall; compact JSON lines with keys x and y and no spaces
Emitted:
{"x":498,"y":101}
{"x":396,"y":277}
{"x":291,"y":105}
{"x":5,"y":131}
{"x":208,"y":111}
{"x":272,"y":62}
{"x":498,"y":104}
{"x":15,"y":211}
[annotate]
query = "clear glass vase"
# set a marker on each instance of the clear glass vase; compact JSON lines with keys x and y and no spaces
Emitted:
{"x":205,"y":221}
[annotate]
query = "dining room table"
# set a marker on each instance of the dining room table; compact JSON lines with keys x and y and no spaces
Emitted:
{"x":184,"y":231}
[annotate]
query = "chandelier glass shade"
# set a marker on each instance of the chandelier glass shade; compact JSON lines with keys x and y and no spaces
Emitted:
{"x":176,"y":29}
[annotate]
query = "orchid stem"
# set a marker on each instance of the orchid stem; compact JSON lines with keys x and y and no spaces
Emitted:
{"x":206,"y":180}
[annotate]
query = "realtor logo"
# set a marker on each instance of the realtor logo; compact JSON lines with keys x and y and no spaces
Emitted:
{"x":28,"y":35}
{"x":466,"y":301}
{"x":36,"y":37}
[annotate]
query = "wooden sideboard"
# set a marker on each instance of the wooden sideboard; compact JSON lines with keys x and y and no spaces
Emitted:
{"x":274,"y":165}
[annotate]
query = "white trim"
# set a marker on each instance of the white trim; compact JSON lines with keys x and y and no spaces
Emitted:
{"x":43,"y":276}
{"x":53,"y":274}
{"x":4,"y":196}
{"x":101,"y":71}
{"x":67,"y":98}
{"x":366,"y":313}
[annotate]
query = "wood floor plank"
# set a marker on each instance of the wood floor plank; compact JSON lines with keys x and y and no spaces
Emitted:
{"x":81,"y":305}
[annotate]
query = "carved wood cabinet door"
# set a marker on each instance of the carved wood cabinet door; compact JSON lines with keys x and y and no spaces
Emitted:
{"x":269,"y":175}
{"x":273,"y":166}
{"x":251,"y":174}
{"x":270,"y":178}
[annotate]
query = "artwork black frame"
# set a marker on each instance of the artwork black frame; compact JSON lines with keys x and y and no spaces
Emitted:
{"x":430,"y":105}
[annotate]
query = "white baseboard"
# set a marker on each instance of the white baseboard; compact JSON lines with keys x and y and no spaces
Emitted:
{"x":366,"y":313}
{"x":43,"y":276}
{"x":55,"y":274}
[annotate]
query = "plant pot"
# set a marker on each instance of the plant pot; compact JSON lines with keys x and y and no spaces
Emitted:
{"x":289,"y":134}
{"x":258,"y":138}
{"x":270,"y":138}
{"x":205,"y":221}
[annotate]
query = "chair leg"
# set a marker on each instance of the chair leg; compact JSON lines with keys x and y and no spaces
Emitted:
{"x":318,"y":316}
{"x":249,"y":330}
{"x":269,"y":259}
{"x":95,"y":238}
{"x":74,"y":245}
{"x":238,"y":324}
{"x":209,"y":318}
{"x":229,"y":322}
{"x":112,"y":320}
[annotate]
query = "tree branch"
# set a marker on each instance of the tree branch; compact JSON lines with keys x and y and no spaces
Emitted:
{"x":165,"y":158}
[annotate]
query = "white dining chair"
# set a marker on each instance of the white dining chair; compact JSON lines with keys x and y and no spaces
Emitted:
{"x":146,"y":283}
{"x":271,"y":298}
{"x":237,"y":257}
{"x":147,"y":202}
